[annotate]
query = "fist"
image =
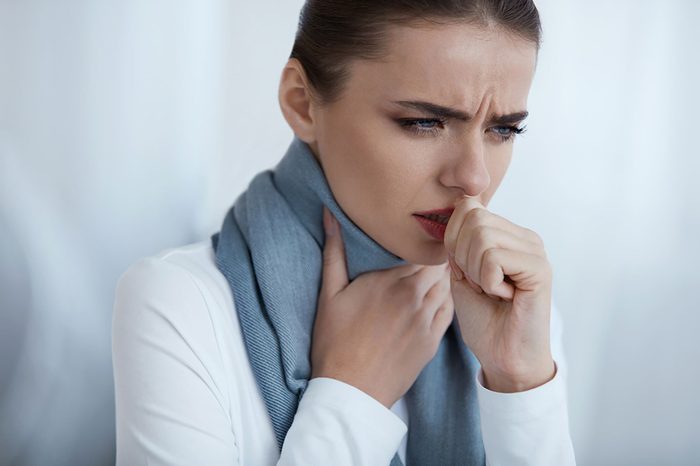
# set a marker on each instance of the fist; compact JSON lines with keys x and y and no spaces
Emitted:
{"x":501,"y":284}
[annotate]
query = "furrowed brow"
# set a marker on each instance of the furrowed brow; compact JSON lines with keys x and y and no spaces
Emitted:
{"x":435,"y":109}
{"x":447,"y":112}
{"x":509,"y":119}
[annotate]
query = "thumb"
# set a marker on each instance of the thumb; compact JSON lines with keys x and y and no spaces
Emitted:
{"x":335,"y":275}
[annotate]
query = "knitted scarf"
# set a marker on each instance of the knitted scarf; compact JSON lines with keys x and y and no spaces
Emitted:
{"x":270,"y":250}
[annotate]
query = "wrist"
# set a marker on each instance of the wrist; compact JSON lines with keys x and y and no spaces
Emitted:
{"x":369,"y":389}
{"x":504,"y":383}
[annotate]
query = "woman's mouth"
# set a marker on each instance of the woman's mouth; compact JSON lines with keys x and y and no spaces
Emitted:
{"x":437,"y":218}
{"x":434,"y":222}
{"x":434,"y":225}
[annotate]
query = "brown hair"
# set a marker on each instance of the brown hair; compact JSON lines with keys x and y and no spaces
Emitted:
{"x":333,"y":32}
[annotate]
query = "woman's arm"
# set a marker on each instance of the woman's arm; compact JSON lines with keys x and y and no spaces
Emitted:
{"x":339,"y":424}
{"x":170,"y":398}
{"x":530,"y":427}
{"x":171,"y":393}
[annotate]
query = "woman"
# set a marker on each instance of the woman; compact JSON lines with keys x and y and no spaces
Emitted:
{"x":323,"y":324}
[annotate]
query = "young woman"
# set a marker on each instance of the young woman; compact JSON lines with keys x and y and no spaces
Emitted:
{"x":360,"y":304}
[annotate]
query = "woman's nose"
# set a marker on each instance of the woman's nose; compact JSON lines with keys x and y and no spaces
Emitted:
{"x":466,"y":168}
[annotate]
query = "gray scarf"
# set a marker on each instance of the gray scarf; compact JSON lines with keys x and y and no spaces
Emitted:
{"x":270,"y":251}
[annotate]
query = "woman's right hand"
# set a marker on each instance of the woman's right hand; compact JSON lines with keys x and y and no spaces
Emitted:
{"x":378,"y":332}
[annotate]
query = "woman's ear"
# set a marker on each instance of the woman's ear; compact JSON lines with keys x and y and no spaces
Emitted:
{"x":296,"y":101}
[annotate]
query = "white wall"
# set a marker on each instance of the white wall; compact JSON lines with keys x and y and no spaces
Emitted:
{"x":129,"y":127}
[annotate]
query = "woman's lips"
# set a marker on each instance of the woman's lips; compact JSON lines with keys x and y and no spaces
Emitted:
{"x":432,"y":227}
{"x":447,"y":212}
{"x":436,"y":225}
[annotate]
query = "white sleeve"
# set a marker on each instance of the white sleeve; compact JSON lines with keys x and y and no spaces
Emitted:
{"x":530,"y":427}
{"x":171,"y":399}
{"x":339,"y":424}
{"x":171,"y":404}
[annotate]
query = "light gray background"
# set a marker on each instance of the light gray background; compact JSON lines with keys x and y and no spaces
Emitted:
{"x":127,"y":127}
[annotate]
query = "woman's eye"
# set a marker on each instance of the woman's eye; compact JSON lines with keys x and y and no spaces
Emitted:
{"x":432,"y":126}
{"x":506,"y":133}
{"x":423,"y":126}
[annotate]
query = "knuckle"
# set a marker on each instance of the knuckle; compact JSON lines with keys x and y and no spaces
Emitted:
{"x":432,"y":294}
{"x":415,"y":296}
{"x":434,"y":321}
{"x":424,"y":317}
{"x":480,"y":239}
{"x":481,"y":233}
{"x":440,"y":287}
{"x":489,"y":270}
{"x":547,"y":268}
{"x":534,"y":237}
{"x":407,"y":293}
{"x":490,"y":257}
{"x":461,"y":260}
{"x":444,"y":315}
{"x":476,"y":215}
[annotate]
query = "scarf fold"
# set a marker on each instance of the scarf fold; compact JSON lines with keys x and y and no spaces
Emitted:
{"x":270,"y":249}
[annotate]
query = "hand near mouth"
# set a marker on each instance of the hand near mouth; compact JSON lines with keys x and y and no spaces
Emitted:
{"x":501,"y":285}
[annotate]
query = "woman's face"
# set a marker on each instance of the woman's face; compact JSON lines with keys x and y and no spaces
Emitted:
{"x":383,"y":168}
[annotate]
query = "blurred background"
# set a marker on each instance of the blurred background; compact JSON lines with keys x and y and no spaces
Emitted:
{"x":128,"y":127}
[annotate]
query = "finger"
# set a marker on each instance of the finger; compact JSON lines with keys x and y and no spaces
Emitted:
{"x":425,"y":278}
{"x":457,"y":219}
{"x":335,"y":274}
{"x":472,"y":244}
{"x":473,"y":285}
{"x":526,"y":272}
{"x":458,"y":275}
{"x":443,"y":317}
{"x":405,"y":270}
{"x":436,"y":293}
{"x":435,"y":298}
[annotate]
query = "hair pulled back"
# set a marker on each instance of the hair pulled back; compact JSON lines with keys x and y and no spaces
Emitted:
{"x":332,"y":33}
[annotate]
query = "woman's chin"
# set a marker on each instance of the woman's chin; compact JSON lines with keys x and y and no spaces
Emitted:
{"x":429,"y":252}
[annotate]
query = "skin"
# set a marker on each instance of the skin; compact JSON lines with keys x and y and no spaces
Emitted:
{"x":381,"y":173}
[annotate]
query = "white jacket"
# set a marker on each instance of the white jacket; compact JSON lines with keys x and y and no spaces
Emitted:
{"x":185,"y":392}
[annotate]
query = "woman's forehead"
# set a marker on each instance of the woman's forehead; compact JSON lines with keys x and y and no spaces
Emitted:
{"x":451,"y":64}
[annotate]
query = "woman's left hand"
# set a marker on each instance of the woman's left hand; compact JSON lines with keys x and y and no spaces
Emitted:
{"x":501,"y":286}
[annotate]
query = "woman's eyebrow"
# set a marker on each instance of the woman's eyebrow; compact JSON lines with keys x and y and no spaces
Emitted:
{"x":447,"y":112}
